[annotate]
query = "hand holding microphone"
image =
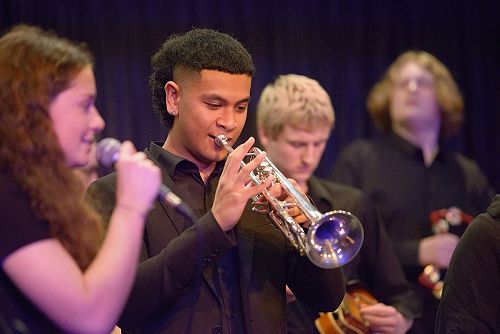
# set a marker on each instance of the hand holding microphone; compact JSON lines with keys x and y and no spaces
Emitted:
{"x":138,"y":179}
{"x":140,"y":175}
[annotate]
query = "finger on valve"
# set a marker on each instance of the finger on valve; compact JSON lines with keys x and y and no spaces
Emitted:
{"x":293,"y":210}
{"x":298,"y":216}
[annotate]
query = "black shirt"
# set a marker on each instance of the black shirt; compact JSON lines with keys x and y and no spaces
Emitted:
{"x":391,"y":171}
{"x":189,"y":186}
{"x":19,"y":227}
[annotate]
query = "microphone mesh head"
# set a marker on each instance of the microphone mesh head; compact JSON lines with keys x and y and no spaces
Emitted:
{"x":108,"y":151}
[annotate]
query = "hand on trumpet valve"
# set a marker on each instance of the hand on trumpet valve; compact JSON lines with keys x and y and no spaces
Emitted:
{"x":292,"y":208}
{"x":235,"y":188}
{"x":287,"y":201}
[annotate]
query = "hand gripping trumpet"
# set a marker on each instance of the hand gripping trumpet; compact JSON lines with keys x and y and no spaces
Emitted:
{"x":332,"y":239}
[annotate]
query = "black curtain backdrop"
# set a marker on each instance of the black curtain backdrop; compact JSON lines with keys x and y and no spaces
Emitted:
{"x":344,"y":44}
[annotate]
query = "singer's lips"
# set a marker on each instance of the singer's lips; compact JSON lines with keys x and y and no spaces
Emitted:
{"x":88,"y":140}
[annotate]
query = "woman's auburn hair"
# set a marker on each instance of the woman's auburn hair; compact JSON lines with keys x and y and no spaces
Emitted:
{"x":36,"y":66}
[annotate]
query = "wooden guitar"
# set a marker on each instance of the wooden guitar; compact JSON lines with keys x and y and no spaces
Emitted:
{"x":347,"y":319}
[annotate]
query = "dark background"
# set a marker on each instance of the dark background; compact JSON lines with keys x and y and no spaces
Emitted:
{"x":344,"y":44}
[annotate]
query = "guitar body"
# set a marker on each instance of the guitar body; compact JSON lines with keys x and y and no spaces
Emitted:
{"x":336,"y":323}
{"x":347,"y":319}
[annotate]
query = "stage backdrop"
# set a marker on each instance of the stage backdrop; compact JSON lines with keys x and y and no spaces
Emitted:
{"x":344,"y":44}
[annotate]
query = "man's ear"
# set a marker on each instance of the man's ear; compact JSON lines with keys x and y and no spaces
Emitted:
{"x":263,"y":137}
{"x":172,"y":97}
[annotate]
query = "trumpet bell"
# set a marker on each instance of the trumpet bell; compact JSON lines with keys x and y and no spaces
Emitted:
{"x":334,"y":239}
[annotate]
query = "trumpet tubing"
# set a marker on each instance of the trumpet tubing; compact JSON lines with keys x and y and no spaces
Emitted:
{"x":332,"y":239}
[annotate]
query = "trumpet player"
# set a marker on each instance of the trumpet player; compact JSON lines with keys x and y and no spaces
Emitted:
{"x":295,"y":117}
{"x":225,"y":271}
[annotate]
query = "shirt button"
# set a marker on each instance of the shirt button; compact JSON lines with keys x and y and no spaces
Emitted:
{"x":217,"y":329}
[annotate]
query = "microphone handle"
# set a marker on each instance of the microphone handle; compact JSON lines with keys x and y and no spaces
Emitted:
{"x":169,"y":197}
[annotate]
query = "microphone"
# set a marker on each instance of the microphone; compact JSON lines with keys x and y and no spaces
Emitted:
{"x":108,"y":152}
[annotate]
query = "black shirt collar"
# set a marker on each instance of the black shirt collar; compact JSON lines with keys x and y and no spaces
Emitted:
{"x":171,"y":163}
{"x":318,"y":193}
{"x":405,"y":147}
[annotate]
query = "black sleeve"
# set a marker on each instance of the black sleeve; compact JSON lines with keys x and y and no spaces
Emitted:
{"x":477,"y":185}
{"x":348,"y":167}
{"x":162,"y":278}
{"x":471,"y":297}
{"x":321,"y":289}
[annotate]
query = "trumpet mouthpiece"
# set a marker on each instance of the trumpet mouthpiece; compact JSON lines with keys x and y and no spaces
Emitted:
{"x":221,"y":140}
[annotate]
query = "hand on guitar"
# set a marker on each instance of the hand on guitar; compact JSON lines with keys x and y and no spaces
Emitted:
{"x":361,"y":313}
{"x":385,"y":319}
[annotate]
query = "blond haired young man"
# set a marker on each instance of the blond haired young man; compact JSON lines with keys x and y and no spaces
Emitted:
{"x":294,"y":120}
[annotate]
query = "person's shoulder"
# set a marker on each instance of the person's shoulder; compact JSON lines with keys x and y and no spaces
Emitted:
{"x":101,"y":190}
{"x":361,"y":148}
{"x":494,"y":208}
{"x":108,"y":179}
{"x":464,"y":161}
{"x":468,"y":165}
{"x":339,"y":190}
{"x":361,"y":144}
{"x":487,"y":224}
{"x":345,"y":197}
{"x":101,"y":195}
{"x":491,"y":218}
{"x":474,"y":176}
{"x":337,"y":187}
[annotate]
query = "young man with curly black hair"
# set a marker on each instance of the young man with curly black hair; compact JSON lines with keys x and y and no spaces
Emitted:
{"x":226,"y":272}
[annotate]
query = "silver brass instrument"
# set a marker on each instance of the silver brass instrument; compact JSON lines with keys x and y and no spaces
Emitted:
{"x":332,"y":239}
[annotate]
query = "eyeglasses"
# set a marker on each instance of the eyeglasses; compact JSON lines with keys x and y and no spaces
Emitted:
{"x":414,"y":83}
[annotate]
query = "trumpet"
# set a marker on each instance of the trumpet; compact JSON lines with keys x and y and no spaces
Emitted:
{"x":332,"y":239}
